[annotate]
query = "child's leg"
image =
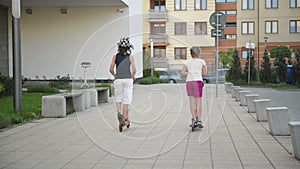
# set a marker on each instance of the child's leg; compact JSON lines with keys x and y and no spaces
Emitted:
{"x":119,"y":107}
{"x":125,"y":111}
{"x":199,"y":107}
{"x":193,"y":106}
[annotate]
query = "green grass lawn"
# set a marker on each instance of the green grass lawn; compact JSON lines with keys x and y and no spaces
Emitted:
{"x":32,"y":108}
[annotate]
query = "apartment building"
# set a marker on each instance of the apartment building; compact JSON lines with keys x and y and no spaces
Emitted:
{"x":267,"y":23}
{"x":176,"y":25}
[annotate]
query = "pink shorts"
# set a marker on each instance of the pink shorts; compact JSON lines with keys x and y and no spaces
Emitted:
{"x":194,"y":88}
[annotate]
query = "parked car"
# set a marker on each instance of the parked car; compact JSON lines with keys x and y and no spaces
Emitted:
{"x":211,"y":77}
{"x":171,"y":76}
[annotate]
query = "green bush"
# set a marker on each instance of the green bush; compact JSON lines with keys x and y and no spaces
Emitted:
{"x":42,"y":89}
{"x":60,"y":82}
{"x":1,"y":88}
{"x":7,"y":86}
{"x":147,"y":73}
{"x":4,"y":120}
{"x":111,"y":88}
{"x":150,"y":80}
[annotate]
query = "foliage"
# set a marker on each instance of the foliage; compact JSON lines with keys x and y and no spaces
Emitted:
{"x":280,"y":54}
{"x":42,"y":89}
{"x":226,"y":58}
{"x":7,"y":86}
{"x":265,"y":72}
{"x":111,"y":88}
{"x":32,"y":104}
{"x":147,"y":60}
{"x":252,"y":68}
{"x":147,"y":73}
{"x":150,"y":80}
{"x":234,"y":73}
{"x":60,"y":82}
{"x":1,"y":88}
{"x":296,"y":73}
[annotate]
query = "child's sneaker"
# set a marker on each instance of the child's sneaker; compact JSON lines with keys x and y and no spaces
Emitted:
{"x":127,"y":121}
{"x":199,"y":123}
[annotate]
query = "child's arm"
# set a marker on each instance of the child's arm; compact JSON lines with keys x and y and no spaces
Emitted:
{"x":112,"y":65}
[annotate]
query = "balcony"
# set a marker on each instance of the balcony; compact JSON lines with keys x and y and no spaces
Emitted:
{"x":157,"y":15}
{"x":230,"y":31}
{"x":159,"y":38}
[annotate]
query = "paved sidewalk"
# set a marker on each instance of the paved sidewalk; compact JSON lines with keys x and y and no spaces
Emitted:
{"x":159,"y":137}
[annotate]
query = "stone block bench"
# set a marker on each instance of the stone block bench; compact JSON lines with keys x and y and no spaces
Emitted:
{"x":92,"y":97}
{"x":237,"y":96}
{"x":295,"y":136}
{"x":242,"y":94}
{"x":249,"y":101}
{"x":232,"y":90}
{"x":103,"y":94}
{"x":278,"y":118}
{"x":228,"y":87}
{"x":59,"y":105}
{"x":260,"y":109}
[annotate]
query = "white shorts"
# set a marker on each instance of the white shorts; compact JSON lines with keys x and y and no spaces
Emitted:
{"x":123,"y":90}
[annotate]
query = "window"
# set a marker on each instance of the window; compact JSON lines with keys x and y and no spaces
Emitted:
{"x":244,"y":54}
{"x":231,"y":25}
{"x":158,"y":28}
{"x":180,"y":5}
{"x":180,"y":28}
{"x":200,"y":4}
{"x":200,"y":28}
{"x":231,"y":37}
{"x":158,"y":5}
{"x":271,"y":4}
{"x":180,"y":53}
{"x":295,"y":26}
{"x":229,"y":12}
{"x":225,"y":1}
{"x":159,"y":53}
{"x":248,"y":4}
{"x":247,"y":28}
{"x":294,"y":3}
{"x":271,"y":27}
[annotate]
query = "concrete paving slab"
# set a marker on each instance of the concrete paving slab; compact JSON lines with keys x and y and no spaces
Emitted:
{"x":159,"y":137}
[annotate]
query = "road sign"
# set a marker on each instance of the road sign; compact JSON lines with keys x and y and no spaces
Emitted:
{"x":250,"y":45}
{"x":214,"y":32}
{"x":214,"y":18}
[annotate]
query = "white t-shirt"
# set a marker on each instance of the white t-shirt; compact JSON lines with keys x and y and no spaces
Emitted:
{"x":194,"y":69}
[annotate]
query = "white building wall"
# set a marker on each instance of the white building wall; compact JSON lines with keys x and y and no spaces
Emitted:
{"x":55,"y":44}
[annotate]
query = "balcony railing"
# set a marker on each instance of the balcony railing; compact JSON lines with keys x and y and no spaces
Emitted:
{"x":159,"y":38}
{"x":157,"y":14}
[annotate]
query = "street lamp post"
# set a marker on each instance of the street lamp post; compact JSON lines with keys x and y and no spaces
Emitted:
{"x":266,"y":41}
{"x":151,"y":55}
{"x":17,"y":71}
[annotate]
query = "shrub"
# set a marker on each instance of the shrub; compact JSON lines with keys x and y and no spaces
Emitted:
{"x":60,"y":82}
{"x":1,"y":88}
{"x":42,"y":89}
{"x":280,"y":54}
{"x":4,"y":120}
{"x":266,"y":72}
{"x":7,"y":86}
{"x":234,"y":73}
{"x":111,"y":88}
{"x":147,"y":73}
{"x":150,"y":80}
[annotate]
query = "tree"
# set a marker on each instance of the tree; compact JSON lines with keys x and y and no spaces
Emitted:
{"x":235,"y":70}
{"x":252,"y":68}
{"x":296,"y":73}
{"x":265,"y":73}
{"x":280,"y":54}
{"x":226,"y":58}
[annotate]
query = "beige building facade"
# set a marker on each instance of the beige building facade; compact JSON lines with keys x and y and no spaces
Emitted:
{"x":176,"y":25}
